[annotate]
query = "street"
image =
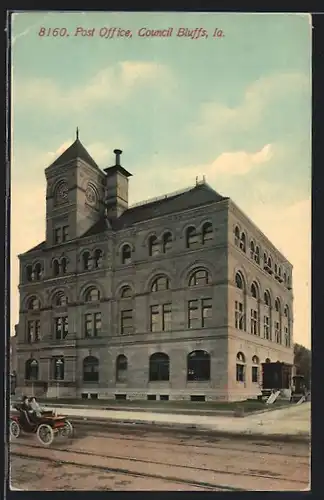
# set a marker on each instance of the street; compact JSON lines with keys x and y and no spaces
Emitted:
{"x":140,"y":459}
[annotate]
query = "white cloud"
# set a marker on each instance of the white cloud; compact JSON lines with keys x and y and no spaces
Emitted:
{"x":111,"y":85}
{"x":239,"y":162}
{"x":226,"y":166}
{"x":215,"y":116}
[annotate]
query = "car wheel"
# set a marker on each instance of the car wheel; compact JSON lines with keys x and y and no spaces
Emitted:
{"x":45,"y":434}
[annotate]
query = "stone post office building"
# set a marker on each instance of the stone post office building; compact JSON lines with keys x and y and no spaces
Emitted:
{"x":180,"y":297}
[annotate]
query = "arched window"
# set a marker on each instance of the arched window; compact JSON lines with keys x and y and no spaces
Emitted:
{"x":154,"y":247}
{"x":126,"y":254}
{"x":58,"y":367}
{"x":33,"y":304}
{"x":29,"y":273}
{"x":277,"y":305}
{"x":86,"y":260}
{"x":243,"y":242}
{"x":254,"y":291}
{"x":268,"y":360}
{"x":159,"y":367}
{"x":239,"y":282}
{"x":90,"y":369}
{"x":92,"y":295}
{"x":167,"y":242}
{"x":240,"y":367}
{"x":287,"y":326}
{"x":126,"y":292}
{"x":31,"y":369}
{"x":257,"y":255}
{"x":265,"y":260}
{"x":60,"y":300}
{"x":252,"y":249}
{"x":267,"y":299}
{"x":98,"y":255}
{"x":64,"y":265}
{"x":279,"y":272}
{"x":277,"y":322}
{"x":38,"y":271}
{"x":240,"y":317}
{"x":269,"y":264}
{"x":276,"y":269}
{"x":121,"y":368}
{"x":237,"y":236}
{"x":161,"y":283}
{"x":201,"y":277}
{"x":288,"y":282}
{"x":255,"y":369}
{"x":207,"y":232}
{"x":192,"y":240}
{"x":267,"y":316}
{"x":240,"y":357}
{"x":56,"y":267}
{"x":198,"y":366}
{"x":255,"y":316}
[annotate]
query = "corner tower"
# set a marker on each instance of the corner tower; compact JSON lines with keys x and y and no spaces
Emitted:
{"x":74,"y":195}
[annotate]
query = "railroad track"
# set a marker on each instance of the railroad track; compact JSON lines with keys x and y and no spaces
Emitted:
{"x":126,"y":472}
{"x":209,"y":444}
{"x":174,"y":479}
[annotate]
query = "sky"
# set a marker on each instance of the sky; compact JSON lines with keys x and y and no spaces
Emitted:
{"x":235,"y":108}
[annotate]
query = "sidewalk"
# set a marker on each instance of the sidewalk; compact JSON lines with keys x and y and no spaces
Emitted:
{"x":289,"y":422}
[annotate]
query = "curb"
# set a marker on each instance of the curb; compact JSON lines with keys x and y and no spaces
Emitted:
{"x":157,"y":426}
{"x":224,"y":413}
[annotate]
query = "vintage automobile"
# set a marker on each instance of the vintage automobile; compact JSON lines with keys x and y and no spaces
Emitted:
{"x":47,"y":427}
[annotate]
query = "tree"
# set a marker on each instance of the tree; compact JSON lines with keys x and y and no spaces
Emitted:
{"x":303,"y":362}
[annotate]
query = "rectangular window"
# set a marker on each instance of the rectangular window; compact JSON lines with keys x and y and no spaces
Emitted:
{"x":200,"y":313}
{"x":57,"y":235}
{"x":254,"y":322}
{"x":61,"y":327}
{"x":88,"y":325}
{"x":126,"y":322}
{"x":193,"y":314}
{"x":239,"y":315}
{"x":97,"y":324}
{"x":65,"y":233}
{"x":206,"y":313}
{"x":37,"y":330}
{"x":277,"y":332}
{"x":30,"y":331}
{"x":287,"y":337}
{"x":255,"y":374}
{"x":58,"y":368}
{"x":240,"y":373}
{"x":266,"y":325}
{"x":166,"y":319}
{"x":155,"y":319}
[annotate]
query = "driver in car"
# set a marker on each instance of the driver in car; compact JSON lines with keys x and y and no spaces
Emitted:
{"x":35,"y":407}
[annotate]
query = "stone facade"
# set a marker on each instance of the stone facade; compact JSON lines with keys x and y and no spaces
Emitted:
{"x":113,"y":286}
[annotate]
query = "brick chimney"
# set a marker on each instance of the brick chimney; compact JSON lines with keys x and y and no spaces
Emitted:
{"x":116,"y":187}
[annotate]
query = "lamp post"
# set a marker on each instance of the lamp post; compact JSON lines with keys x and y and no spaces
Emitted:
{"x":58,"y":365}
{"x":33,"y":366}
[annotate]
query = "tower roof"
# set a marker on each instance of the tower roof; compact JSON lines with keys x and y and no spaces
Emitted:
{"x":75,"y":151}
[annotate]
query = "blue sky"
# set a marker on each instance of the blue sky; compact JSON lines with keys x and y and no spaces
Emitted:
{"x":236,"y":109}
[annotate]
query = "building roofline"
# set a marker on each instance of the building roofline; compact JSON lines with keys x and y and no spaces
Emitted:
{"x":267,"y":240}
